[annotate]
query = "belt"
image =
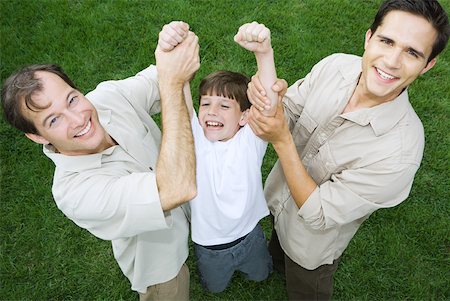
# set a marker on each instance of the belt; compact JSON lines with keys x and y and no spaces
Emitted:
{"x":227,"y":245}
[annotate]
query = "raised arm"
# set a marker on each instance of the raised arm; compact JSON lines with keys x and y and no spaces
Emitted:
{"x":276,"y":130}
{"x":171,"y":35}
{"x":255,"y":37}
{"x":188,"y":99}
{"x":175,"y":173}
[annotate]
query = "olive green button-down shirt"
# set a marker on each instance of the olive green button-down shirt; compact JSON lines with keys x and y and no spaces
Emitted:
{"x":361,"y":161}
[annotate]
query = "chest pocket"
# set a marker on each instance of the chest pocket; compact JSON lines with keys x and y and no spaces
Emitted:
{"x":303,"y":130}
{"x":321,"y":166}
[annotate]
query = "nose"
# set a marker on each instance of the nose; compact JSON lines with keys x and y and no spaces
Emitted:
{"x":75,"y":118}
{"x":393,"y":58}
{"x":212,"y":110}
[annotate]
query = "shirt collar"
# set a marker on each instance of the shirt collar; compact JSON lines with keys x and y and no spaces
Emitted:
{"x":82,"y":162}
{"x":382,"y":117}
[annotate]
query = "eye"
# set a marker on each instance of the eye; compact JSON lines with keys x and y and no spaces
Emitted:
{"x":204,"y":104}
{"x":73,"y":100}
{"x":413,"y":53}
{"x":225,"y":106}
{"x":386,"y":41}
{"x":53,"y":121}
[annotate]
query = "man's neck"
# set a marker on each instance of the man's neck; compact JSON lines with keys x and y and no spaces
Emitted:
{"x":109,"y":142}
{"x":361,"y":100}
{"x":358,"y":102}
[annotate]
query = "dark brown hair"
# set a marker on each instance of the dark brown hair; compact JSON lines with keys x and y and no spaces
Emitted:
{"x":19,"y":88}
{"x":227,"y":84}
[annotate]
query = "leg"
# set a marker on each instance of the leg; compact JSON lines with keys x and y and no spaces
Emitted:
{"x":276,"y":251}
{"x":303,"y":284}
{"x":253,"y":257}
{"x":215,"y":267}
{"x":173,"y":290}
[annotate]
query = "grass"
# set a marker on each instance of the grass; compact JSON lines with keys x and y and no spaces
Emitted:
{"x":400,"y":253}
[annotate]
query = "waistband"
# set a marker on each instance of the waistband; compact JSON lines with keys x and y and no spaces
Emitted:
{"x":227,"y":245}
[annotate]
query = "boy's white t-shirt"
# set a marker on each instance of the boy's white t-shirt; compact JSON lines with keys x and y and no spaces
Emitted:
{"x":230,"y":199}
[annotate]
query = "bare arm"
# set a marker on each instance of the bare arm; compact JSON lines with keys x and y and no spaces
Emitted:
{"x":188,"y":99}
{"x":175,"y":173}
{"x":257,"y":94}
{"x":276,"y":131}
{"x":171,"y":36}
{"x":255,"y":37}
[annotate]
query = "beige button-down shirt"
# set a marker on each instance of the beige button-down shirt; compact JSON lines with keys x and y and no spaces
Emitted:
{"x":113,"y":194}
{"x":361,"y":161}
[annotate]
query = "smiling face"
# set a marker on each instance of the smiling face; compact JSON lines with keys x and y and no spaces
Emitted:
{"x":68,"y":121}
{"x":395,"y":55}
{"x":220,"y":117}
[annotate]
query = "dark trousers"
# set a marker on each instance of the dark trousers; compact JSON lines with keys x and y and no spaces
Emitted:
{"x":302,"y":284}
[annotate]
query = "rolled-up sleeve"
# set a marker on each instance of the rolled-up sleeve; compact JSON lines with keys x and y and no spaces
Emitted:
{"x":354,"y":194}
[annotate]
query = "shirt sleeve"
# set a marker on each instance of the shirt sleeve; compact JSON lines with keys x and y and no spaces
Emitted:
{"x":112,"y":207}
{"x":297,"y":95}
{"x":142,"y":90}
{"x":355,"y":194}
{"x":257,"y":145}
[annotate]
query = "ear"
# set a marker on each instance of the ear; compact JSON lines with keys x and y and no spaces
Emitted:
{"x":429,"y":66}
{"x":244,"y":118}
{"x":368,"y":36}
{"x":37,"y":138}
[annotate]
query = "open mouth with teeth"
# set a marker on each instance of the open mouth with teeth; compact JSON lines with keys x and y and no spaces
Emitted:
{"x":213,"y":124}
{"x":85,"y":130}
{"x":384,"y":75}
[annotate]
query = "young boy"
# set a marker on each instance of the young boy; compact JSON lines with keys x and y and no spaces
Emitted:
{"x":230,"y":200}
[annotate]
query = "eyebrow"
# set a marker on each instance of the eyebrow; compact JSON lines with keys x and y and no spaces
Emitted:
{"x":419,"y":53}
{"x":219,"y":98}
{"x":49,"y":116}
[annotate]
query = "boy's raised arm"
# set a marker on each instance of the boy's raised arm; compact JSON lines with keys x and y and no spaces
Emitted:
{"x":188,"y":99}
{"x":255,"y":37}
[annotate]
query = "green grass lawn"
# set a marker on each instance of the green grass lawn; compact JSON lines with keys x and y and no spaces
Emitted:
{"x":400,"y":253}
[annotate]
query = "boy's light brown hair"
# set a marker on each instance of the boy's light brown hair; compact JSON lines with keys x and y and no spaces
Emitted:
{"x":227,"y":84}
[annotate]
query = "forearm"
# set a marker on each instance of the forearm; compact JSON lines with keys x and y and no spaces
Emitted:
{"x":300,"y":183}
{"x":175,"y":173}
{"x":267,"y":75}
{"x":188,"y":99}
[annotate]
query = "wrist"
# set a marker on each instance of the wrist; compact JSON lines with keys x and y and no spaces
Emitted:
{"x":267,"y":53}
{"x":283,"y":143}
{"x":170,"y":83}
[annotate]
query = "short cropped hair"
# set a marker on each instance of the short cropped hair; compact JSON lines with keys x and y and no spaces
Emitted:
{"x":18,"y":90}
{"x":228,"y":84}
{"x":431,"y":10}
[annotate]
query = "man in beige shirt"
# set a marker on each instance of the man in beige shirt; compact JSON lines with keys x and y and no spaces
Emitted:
{"x":351,"y":142}
{"x":115,"y":173}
